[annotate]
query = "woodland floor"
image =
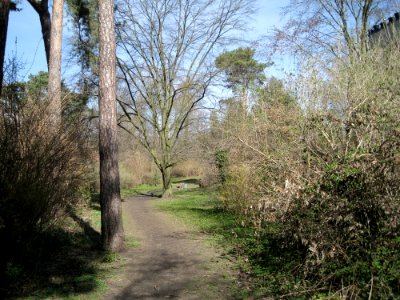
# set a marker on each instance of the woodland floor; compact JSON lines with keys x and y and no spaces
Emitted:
{"x":170,"y":261}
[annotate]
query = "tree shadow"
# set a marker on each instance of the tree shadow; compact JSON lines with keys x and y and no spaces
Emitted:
{"x":95,"y":201}
{"x":162,"y":276}
{"x":188,"y":181}
{"x":89,"y":231}
{"x":60,"y":262}
{"x":153,"y":194}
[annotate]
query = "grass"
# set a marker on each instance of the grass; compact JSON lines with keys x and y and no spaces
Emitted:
{"x":265,"y":269}
{"x":156,"y":190}
{"x":131,"y":242}
{"x":141,"y":189}
{"x":64,"y":262}
{"x":199,"y":208}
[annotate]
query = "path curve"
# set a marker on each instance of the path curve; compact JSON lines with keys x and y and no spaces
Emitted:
{"x":171,"y":262}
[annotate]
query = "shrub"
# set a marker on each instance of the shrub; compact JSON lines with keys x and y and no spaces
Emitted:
{"x":186,"y":168}
{"x":347,"y":214}
{"x":41,"y":170}
{"x":135,"y":169}
{"x":236,"y":191}
{"x":327,"y":186}
{"x":222,"y":164}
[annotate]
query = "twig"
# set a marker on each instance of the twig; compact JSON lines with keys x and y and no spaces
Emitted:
{"x":372,"y":286}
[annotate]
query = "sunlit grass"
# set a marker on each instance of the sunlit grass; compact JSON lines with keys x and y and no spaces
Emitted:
{"x":257,"y":256}
{"x":199,"y":208}
{"x":131,"y":242}
{"x":141,"y":189}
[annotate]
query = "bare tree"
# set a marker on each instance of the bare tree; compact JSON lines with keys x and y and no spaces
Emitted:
{"x":335,"y":28}
{"x":165,"y":58}
{"x":111,"y":213}
{"x":54,"y":88}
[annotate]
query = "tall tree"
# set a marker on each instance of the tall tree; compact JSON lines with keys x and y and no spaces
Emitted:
{"x":241,"y":71}
{"x":332,"y":28}
{"x":5,"y":7}
{"x":55,"y":60}
{"x":85,"y":41}
{"x":42,"y":9}
{"x":111,"y":213}
{"x":166,"y":66}
{"x":4,"y":12}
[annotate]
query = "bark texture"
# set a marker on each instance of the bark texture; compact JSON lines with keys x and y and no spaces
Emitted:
{"x":167,"y":182}
{"x":42,"y":9}
{"x":4,"y":13}
{"x":55,"y":61}
{"x":111,"y":213}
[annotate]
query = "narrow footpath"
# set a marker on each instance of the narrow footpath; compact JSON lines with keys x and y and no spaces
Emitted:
{"x":171,"y":261}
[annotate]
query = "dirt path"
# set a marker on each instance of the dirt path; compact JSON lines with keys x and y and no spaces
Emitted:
{"x":170,"y":262}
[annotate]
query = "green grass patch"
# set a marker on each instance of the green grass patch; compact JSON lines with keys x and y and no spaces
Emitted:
{"x":131,"y":242}
{"x":199,"y":208}
{"x":156,"y":190}
{"x":95,"y":219}
{"x":141,"y":189}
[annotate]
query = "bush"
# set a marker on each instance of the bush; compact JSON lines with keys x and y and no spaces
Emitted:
{"x":329,"y":182}
{"x":345,"y":223}
{"x":237,"y":192}
{"x":347,"y":214}
{"x":135,"y":169}
{"x":222,"y":164}
{"x":41,"y":170}
{"x":186,"y":168}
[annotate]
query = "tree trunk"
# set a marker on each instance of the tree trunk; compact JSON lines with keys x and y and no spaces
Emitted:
{"x":167,"y":184}
{"x":42,"y":9}
{"x":4,"y":13}
{"x":55,"y":61}
{"x":111,"y":213}
{"x":244,"y":100}
{"x":165,"y":166}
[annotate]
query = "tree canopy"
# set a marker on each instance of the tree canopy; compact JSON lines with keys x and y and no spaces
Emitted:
{"x":165,"y":60}
{"x":241,"y":71}
{"x":240,"y":67}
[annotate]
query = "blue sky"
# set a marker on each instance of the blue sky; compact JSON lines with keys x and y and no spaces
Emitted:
{"x":25,"y":36}
{"x":24,"y":33}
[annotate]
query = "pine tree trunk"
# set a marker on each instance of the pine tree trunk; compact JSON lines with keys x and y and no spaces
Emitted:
{"x":111,"y":212}
{"x":4,"y":13}
{"x":244,"y":101}
{"x":55,"y":107}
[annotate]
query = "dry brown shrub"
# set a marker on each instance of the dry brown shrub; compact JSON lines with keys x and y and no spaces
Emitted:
{"x":265,"y":166}
{"x":42,"y":167}
{"x":187,"y":168}
{"x":135,"y":169}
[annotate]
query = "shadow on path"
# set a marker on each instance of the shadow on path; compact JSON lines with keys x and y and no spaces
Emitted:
{"x":171,"y":261}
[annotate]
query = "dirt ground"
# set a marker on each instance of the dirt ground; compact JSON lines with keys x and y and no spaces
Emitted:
{"x":171,"y":260}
